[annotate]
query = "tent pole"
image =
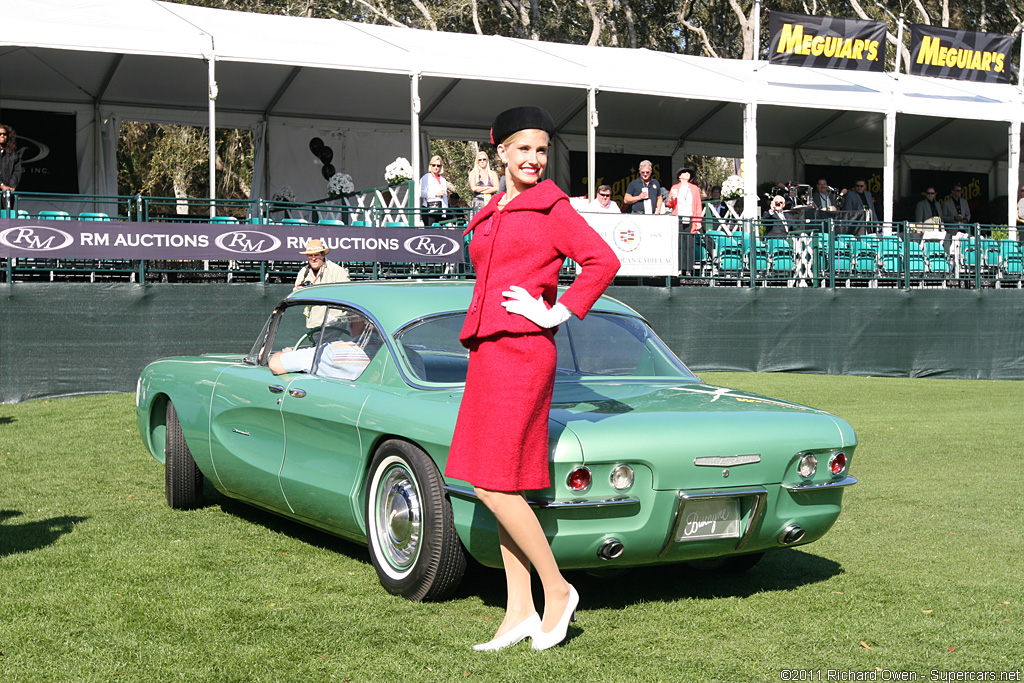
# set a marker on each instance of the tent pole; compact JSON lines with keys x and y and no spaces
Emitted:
{"x":757,"y":31}
{"x":899,"y":46}
{"x":212,"y":82}
{"x":1013,"y":178}
{"x":591,"y":141}
{"x":414,"y":99}
{"x":750,"y":160}
{"x":889,"y":172}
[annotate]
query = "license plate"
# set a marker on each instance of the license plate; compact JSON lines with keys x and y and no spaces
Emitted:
{"x":710,"y":518}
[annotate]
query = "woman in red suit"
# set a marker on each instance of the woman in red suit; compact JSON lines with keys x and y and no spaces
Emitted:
{"x":684,"y":200}
{"x":520,"y":239}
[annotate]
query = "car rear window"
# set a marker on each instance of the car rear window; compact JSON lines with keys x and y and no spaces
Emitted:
{"x":601,"y":345}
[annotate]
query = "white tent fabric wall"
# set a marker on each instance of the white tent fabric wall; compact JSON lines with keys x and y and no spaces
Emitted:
{"x":357,"y":148}
{"x":131,"y":59}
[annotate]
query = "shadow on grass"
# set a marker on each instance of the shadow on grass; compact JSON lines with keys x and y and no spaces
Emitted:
{"x":23,"y":538}
{"x":783,"y":569}
{"x":6,"y":419}
{"x":296,"y":530}
{"x":779,"y":570}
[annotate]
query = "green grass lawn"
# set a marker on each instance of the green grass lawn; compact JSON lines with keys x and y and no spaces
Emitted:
{"x":101,"y":581}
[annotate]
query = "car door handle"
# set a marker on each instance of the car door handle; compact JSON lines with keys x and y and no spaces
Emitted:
{"x":296,"y":393}
{"x":276,"y":389}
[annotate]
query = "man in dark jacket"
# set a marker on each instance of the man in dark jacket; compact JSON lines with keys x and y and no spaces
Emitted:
{"x":10,"y":159}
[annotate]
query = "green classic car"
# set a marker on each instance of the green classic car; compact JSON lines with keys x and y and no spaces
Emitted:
{"x":649,"y":465}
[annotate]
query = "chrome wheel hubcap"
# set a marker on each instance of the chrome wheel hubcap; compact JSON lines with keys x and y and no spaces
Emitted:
{"x":399,"y":518}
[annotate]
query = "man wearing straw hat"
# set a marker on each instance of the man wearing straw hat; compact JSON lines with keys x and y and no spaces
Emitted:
{"x":318,"y":271}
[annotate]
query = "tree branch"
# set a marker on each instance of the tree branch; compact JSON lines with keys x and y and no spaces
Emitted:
{"x":381,"y":14}
{"x":595,"y":19}
{"x":476,"y":18}
{"x":613,"y":26}
{"x":746,"y":28}
{"x":630,"y":24}
{"x":708,"y":49}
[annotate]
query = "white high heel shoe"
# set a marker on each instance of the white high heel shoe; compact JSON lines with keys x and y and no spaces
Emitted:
{"x":530,"y":626}
{"x":542,"y":640}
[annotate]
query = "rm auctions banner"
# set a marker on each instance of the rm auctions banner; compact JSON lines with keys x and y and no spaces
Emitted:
{"x":827,"y":42}
{"x":959,"y":54}
{"x":645,"y":245}
{"x":222,"y":241}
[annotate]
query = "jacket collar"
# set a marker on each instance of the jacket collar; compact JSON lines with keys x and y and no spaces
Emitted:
{"x":541,"y":197}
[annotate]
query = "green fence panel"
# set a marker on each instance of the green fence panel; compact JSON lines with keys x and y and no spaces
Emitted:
{"x":972,"y":334}
{"x":59,"y":339}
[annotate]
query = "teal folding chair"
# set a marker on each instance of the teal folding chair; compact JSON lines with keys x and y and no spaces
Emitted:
{"x":936,"y":258}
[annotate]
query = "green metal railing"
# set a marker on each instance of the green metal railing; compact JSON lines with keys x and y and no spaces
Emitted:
{"x":831,"y":253}
{"x":730,"y":252}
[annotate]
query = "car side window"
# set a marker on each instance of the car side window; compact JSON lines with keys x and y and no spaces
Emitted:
{"x":433,"y":350}
{"x":285,"y":329}
{"x":349,"y":341}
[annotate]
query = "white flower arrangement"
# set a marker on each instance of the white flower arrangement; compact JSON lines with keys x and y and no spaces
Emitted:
{"x":398,"y":171}
{"x":733,"y":187}
{"x":285,"y":194}
{"x":340,"y":184}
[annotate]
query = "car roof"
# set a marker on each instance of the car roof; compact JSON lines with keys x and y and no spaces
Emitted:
{"x":397,"y":302}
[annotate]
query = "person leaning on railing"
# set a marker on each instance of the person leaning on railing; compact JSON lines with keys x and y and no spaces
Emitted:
{"x":1020,"y":208}
{"x":434,"y":192}
{"x":482,"y":181}
{"x":955,"y":209}
{"x":10,"y":159}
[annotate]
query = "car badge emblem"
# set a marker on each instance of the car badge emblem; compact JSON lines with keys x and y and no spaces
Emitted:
{"x":727,"y":461}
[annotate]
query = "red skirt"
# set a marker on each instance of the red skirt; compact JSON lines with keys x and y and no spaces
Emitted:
{"x":501,"y":436}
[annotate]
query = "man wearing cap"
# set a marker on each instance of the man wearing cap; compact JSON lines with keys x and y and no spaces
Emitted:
{"x":318,"y":271}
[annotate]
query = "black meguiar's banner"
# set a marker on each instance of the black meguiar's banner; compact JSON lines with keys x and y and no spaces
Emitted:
{"x":960,"y":54}
{"x":828,"y":42}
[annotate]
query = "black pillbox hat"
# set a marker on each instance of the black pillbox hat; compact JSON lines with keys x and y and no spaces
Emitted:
{"x":520,"y":118}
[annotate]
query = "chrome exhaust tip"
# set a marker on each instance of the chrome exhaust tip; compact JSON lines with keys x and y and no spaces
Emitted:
{"x":791,"y":534}
{"x":610,"y":549}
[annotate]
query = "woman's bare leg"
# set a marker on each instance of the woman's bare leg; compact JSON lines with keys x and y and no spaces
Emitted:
{"x":527,"y":545}
{"x":519,"y":604}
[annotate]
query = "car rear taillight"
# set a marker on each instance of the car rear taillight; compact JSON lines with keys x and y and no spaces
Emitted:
{"x":579,"y":480}
{"x":837,"y":465}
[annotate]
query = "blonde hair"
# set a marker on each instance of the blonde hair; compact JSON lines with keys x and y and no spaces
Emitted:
{"x":519,"y":134}
{"x":437,"y":159}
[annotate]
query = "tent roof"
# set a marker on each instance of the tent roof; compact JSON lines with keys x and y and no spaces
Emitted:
{"x":152,"y":54}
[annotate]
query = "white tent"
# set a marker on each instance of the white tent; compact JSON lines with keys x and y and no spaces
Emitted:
{"x":377,"y":92}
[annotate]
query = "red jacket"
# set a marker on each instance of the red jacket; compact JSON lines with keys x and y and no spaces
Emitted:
{"x":695,"y":209}
{"x":525,"y":244}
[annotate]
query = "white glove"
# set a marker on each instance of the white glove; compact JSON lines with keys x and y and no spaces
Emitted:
{"x":535,"y":310}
